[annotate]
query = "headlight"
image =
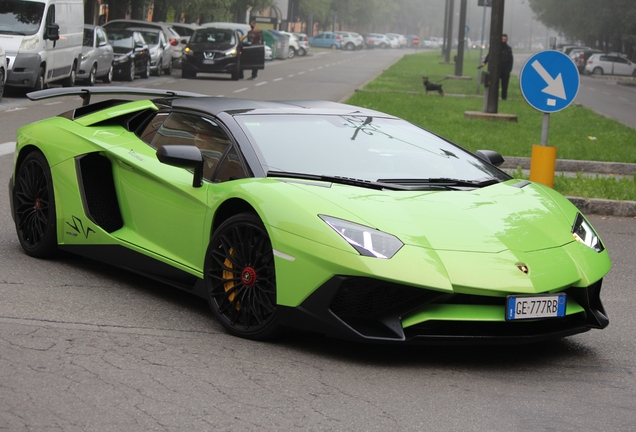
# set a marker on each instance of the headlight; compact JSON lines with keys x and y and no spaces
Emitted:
{"x":367,"y":241}
{"x":85,"y":56}
{"x":188,"y":51}
{"x":584,"y":233}
{"x":121,"y":59}
{"x":230,"y":53}
{"x":29,"y":44}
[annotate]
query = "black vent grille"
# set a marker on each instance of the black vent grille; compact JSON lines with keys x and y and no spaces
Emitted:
{"x":100,"y":197}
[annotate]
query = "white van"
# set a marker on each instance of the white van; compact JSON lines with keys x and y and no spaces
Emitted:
{"x":42,"y":40}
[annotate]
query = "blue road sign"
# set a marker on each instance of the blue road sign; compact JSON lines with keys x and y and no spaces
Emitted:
{"x":549,"y":81}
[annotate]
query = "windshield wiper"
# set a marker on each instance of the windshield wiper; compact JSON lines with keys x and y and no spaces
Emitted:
{"x":349,"y":181}
{"x":441,"y":181}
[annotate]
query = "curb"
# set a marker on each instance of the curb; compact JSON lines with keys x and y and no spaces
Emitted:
{"x":595,"y":206}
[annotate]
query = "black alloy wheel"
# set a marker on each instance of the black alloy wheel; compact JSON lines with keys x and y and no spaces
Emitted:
{"x":34,"y":207}
{"x":240,"y":278}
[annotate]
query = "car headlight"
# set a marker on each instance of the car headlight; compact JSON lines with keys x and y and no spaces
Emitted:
{"x":230,"y":53}
{"x":29,"y":44}
{"x":187,"y":51}
{"x":584,"y":233}
{"x":121,"y":59}
{"x":367,"y":241}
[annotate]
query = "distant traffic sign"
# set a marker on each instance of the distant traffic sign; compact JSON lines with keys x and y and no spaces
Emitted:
{"x":416,"y":41}
{"x":549,"y":81}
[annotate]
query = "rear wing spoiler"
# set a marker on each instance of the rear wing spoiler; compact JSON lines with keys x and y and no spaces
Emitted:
{"x":86,"y":92}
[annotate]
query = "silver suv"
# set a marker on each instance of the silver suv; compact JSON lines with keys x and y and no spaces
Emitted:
{"x":351,"y":41}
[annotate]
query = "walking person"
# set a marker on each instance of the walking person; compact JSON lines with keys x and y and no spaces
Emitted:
{"x":505,"y":65}
{"x":255,"y":36}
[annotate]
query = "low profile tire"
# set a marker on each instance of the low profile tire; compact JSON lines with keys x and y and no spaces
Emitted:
{"x":34,"y":207}
{"x":146,"y":73}
{"x":92,"y":76}
{"x":240,"y":278}
{"x":131,"y":71}
{"x":108,"y":78}
{"x":597,"y":71}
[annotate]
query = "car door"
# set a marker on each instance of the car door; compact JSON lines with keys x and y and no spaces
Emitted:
{"x":319,"y":40}
{"x":252,"y":56}
{"x":105,"y":51}
{"x":164,"y":212}
{"x":622,"y":66}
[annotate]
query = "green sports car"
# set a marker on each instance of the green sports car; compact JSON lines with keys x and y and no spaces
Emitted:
{"x":309,"y":215}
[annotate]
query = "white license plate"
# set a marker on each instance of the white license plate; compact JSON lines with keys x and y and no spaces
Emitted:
{"x":532,"y":307}
{"x":208,"y":61}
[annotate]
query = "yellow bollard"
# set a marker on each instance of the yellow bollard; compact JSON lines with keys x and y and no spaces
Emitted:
{"x":543,"y":165}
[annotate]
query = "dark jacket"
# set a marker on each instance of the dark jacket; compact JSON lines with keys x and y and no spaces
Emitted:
{"x":505,"y":58}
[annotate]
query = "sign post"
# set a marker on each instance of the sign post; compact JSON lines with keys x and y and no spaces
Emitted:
{"x":549,"y":82}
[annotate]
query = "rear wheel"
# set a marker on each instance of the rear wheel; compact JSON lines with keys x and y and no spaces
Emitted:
{"x":146,"y":72}
{"x":302,"y":52}
{"x":240,"y":278}
{"x":597,"y":71}
{"x":92,"y":76}
{"x":292,"y":53}
{"x":349,"y":46}
{"x":109,"y":76}
{"x":1,"y":83}
{"x":334,"y":46}
{"x":70,"y":80}
{"x":131,"y":71}
{"x":168,"y":69}
{"x":34,"y":207}
{"x":159,"y":69}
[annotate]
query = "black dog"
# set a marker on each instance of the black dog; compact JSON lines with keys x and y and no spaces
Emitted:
{"x":432,"y":87}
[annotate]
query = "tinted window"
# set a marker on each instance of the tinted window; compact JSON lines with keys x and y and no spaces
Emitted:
{"x":214,"y":36}
{"x":88,"y":37}
{"x":188,"y":129}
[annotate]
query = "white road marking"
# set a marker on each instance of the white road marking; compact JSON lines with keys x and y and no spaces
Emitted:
{"x":260,"y":84}
{"x":15,"y":109}
{"x":289,"y":76}
{"x":52,"y":103}
{"x":7,"y":148}
{"x":277,"y":79}
{"x":240,"y":90}
{"x":300,"y":73}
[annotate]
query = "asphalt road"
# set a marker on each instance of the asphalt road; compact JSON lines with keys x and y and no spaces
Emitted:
{"x":84,"y":346}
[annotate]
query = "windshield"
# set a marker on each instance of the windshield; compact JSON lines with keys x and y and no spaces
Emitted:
{"x":151,"y":37}
{"x":219,"y":36}
{"x":121,"y":39}
{"x":359,"y":147}
{"x":20,"y":17}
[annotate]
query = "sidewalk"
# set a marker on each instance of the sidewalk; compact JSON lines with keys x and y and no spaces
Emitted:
{"x":572,"y":167}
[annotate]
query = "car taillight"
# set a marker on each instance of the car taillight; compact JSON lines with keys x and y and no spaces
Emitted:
{"x":174,"y":42}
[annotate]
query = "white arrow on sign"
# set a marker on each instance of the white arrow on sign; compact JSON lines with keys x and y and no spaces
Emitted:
{"x":555,"y":85}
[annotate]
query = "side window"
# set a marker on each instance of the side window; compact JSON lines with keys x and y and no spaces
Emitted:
{"x":50,"y":15}
{"x":188,"y":129}
{"x":101,"y":37}
{"x":329,"y":36}
{"x":151,"y":129}
{"x":231,"y":168}
{"x":605,"y":58}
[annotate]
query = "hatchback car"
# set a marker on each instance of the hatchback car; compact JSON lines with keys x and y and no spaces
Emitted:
{"x":219,"y":50}
{"x":97,"y":56}
{"x":132,"y":56}
{"x":160,"y":50}
{"x":377,"y":40}
{"x":172,"y":36}
{"x":351,"y":41}
{"x":610,"y":64}
{"x":185,"y":32}
{"x":303,"y":43}
{"x":326,"y":40}
{"x":581,"y":56}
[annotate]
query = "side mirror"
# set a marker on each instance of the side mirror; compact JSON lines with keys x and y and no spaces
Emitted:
{"x":490,"y":156}
{"x":52,"y":32}
{"x":183,"y":156}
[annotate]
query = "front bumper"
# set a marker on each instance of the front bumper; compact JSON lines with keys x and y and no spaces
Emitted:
{"x":221,"y":65}
{"x":24,"y":70}
{"x":369,"y":310}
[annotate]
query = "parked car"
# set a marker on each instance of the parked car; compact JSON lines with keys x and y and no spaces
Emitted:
{"x":351,"y":41}
{"x":160,"y":50}
{"x":172,"y":36}
{"x":269,"y":54}
{"x":610,"y":64}
{"x":3,"y":71}
{"x":303,"y":43}
{"x":394,"y":42}
{"x":132,"y":55}
{"x":581,"y":56}
{"x":400,"y":38}
{"x":220,"y":50}
{"x":97,"y":56}
{"x":220,"y":198}
{"x":567,"y":49}
{"x":326,"y":40}
{"x":185,"y":32}
{"x":294,"y":46}
{"x":378,"y":40}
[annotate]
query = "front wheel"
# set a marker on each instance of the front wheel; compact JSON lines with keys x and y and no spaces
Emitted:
{"x":292,"y":53}
{"x":146,"y":72}
{"x":302,"y":52}
{"x":1,"y":83}
{"x":131,"y":71}
{"x":108,"y":78}
{"x":334,"y":46}
{"x":349,"y":46}
{"x":34,"y":207}
{"x":39,"y":80}
{"x":597,"y":71}
{"x":240,"y":278}
{"x":92,"y":75}
{"x":70,"y":80}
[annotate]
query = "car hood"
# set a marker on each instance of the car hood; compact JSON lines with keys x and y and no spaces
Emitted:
{"x":488,"y":220}
{"x":211,"y":46}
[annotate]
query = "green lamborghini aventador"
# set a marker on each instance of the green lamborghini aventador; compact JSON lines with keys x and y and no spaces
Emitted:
{"x":309,"y":215}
